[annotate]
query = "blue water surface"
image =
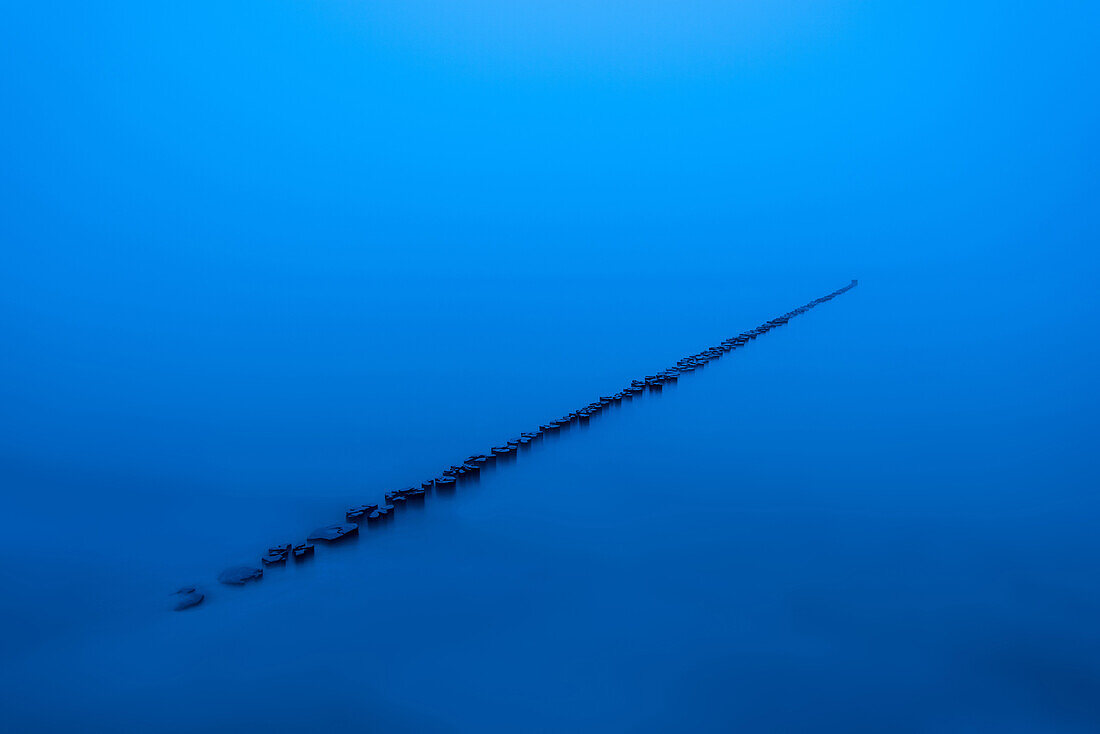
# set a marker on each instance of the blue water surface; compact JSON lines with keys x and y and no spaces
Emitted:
{"x":264,"y":260}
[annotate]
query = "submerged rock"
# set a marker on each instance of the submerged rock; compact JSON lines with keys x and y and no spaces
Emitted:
{"x":334,"y":532}
{"x":187,"y":597}
{"x":303,"y":551}
{"x":239,"y":575}
{"x":276,"y":555}
{"x":355,"y":513}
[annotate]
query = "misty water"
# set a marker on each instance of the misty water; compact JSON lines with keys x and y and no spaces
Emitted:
{"x":861,"y":520}
{"x":265,"y":261}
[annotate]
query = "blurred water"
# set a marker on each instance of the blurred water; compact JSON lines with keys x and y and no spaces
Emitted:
{"x":860,"y":521}
{"x":269,"y":260}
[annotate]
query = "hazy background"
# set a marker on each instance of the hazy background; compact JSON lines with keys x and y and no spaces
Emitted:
{"x":262,"y":260}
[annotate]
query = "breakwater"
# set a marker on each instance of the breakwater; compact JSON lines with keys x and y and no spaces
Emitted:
{"x":385,"y":509}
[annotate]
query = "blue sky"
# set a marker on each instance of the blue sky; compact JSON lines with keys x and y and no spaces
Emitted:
{"x":551,"y":137}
